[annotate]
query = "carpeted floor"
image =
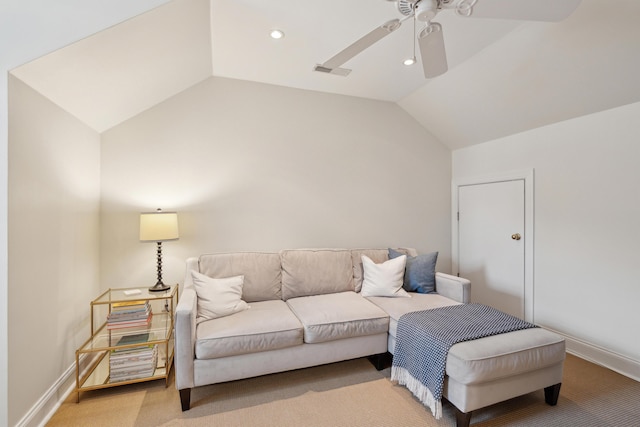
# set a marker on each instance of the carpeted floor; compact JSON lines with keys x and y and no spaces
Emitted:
{"x":350,"y":394}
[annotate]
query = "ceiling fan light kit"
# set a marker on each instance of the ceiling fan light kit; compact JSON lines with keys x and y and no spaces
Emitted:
{"x":431,"y":37}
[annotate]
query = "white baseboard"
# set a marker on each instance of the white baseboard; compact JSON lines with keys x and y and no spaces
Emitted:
{"x":42,"y":411}
{"x":48,"y":404}
{"x":616,"y":362}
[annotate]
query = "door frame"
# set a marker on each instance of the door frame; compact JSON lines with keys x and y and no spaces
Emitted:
{"x":528,"y":176}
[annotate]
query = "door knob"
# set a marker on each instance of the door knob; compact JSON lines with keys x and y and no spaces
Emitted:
{"x":516,"y":236}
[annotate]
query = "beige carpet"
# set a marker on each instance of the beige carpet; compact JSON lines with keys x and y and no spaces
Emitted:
{"x":350,"y":394}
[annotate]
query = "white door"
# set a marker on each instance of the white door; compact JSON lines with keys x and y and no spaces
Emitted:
{"x":491,"y":243}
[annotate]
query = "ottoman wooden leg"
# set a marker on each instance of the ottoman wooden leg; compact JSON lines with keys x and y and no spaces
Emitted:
{"x":551,"y":394}
{"x":463,"y":419}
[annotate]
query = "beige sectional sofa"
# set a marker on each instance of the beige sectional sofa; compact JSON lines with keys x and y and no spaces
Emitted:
{"x":306,"y":309}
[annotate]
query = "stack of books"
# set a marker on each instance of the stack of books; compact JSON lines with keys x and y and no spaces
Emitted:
{"x":135,"y":362}
{"x":129,"y":314}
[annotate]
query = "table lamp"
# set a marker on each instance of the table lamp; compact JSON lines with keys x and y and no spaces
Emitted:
{"x":159,"y":227}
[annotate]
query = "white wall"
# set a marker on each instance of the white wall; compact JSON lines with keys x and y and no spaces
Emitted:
{"x":29,"y":29}
{"x":54,"y":201}
{"x":251,"y":166}
{"x":587,"y":233}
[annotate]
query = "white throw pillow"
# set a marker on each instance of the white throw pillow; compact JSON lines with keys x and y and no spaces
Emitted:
{"x":218,"y":297}
{"x":383,"y":280}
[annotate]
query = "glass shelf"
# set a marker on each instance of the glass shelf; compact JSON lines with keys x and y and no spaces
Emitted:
{"x":98,"y":377}
{"x":118,"y":295}
{"x":158,"y":331}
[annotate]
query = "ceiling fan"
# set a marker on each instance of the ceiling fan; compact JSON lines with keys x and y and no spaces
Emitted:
{"x":430,"y":38}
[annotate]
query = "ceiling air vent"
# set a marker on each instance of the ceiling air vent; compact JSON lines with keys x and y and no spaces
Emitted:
{"x":337,"y":71}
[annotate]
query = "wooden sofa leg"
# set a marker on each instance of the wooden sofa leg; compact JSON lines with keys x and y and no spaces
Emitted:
{"x":185,"y":398}
{"x":380,"y":361}
{"x":551,"y":394}
{"x":463,"y":419}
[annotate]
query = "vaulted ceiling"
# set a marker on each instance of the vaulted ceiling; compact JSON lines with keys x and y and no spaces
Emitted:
{"x":504,"y":76}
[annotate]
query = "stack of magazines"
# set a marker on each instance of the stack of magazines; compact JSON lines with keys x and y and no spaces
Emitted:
{"x":129,"y":314}
{"x":134,"y":362}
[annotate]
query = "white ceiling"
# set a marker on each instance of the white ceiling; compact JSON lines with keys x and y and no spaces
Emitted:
{"x":504,"y":77}
{"x":118,"y":73}
{"x":315,"y":31}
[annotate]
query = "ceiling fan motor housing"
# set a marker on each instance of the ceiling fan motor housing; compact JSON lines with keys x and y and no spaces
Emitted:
{"x":426,"y":10}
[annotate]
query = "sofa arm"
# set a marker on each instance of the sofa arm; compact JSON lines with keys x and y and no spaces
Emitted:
{"x":192,"y":264}
{"x":456,"y":288}
{"x":185,"y":339}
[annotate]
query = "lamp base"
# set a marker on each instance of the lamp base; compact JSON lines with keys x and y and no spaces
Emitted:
{"x":159,"y":287}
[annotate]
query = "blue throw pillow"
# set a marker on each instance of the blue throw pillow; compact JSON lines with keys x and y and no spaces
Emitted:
{"x":419,"y":273}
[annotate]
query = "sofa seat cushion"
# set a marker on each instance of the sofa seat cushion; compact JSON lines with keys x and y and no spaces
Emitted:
{"x":396,"y":307}
{"x":267,"y":325}
{"x":505,"y":355}
{"x":340,"y":315}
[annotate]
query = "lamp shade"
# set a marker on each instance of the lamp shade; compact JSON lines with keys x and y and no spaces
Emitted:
{"x":158,"y":226}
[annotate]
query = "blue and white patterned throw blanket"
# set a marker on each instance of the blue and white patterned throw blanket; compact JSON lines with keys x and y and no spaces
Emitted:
{"x":423,"y":340}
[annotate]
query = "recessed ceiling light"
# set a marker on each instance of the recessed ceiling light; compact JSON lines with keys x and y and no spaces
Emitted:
{"x":276,"y":34}
{"x":409,"y":61}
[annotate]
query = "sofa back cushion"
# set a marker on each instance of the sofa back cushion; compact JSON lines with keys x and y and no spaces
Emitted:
{"x":378,"y":256}
{"x":307,"y":272}
{"x":261,"y":271}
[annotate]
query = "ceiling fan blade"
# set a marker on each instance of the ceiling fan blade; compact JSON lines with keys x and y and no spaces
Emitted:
{"x":432,"y":53}
{"x":363,"y":43}
{"x":526,"y":10}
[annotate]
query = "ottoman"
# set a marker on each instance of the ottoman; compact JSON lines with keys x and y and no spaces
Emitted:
{"x":488,"y":370}
{"x":496,"y":368}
